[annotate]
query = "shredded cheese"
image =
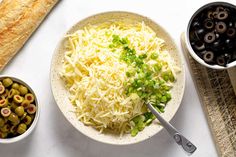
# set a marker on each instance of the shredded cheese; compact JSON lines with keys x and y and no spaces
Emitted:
{"x":96,"y":77}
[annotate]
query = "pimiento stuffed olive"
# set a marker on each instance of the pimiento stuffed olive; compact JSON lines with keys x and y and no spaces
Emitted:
{"x":18,"y":98}
{"x":29,"y":97}
{"x":5,"y":112}
{"x":25,"y":103}
{"x":11,"y":93}
{"x":17,"y":108}
{"x":31,"y":109}
{"x":212,"y":34}
{"x":2,"y":89}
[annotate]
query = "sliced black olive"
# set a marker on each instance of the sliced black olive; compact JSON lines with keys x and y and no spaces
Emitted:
{"x":231,"y":32}
{"x":198,"y":45}
{"x":200,"y":33}
{"x":196,"y":24}
{"x":208,"y":56}
{"x":229,"y":43}
{"x":216,"y":45}
{"x":227,"y":57}
{"x":220,"y":60}
{"x":220,"y":8}
{"x":208,"y":24}
{"x":222,"y":15}
{"x":223,"y":48}
{"x":202,"y":53}
{"x":192,"y":36}
{"x":209,"y":37}
{"x":217,"y":35}
{"x":210,"y":15}
{"x":221,"y":27}
{"x":215,"y":13}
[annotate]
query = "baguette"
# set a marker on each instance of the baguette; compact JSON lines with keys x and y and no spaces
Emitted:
{"x":18,"y":20}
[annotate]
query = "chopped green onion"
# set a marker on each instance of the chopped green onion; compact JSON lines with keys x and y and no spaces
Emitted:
{"x":163,"y":99}
{"x":143,"y":82}
{"x":154,"y":55}
{"x":128,"y":74}
{"x":168,"y":96}
{"x":143,"y":56}
{"x":134,"y":132}
{"x":157,"y":67}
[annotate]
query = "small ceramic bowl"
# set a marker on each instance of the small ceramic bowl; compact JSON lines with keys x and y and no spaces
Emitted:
{"x":190,"y":49}
{"x":61,"y":94}
{"x":35,"y":120}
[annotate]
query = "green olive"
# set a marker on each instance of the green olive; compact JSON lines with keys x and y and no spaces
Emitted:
{"x":18,"y":99}
{"x":11,"y":93}
{"x":5,"y":128}
{"x":32,"y":116}
{"x":13,"y":105}
{"x":23,"y":90}
{"x":5,"y":112}
{"x":2,"y":122}
{"x":3,"y":134}
{"x":29,"y":97}
{"x":24,"y":115}
{"x":6,"y":119}
{"x":7,"y":82}
{"x":13,"y":118}
{"x":16,"y":123}
{"x":15,"y":86}
{"x":2,"y":89}
{"x":13,"y":129}
{"x":25,"y":103}
{"x":19,"y":111}
{"x":5,"y":94}
{"x":31,"y":109}
{"x":17,"y":92}
{"x":21,"y":128}
{"x":27,"y":120}
{"x":2,"y":97}
{"x":3,"y":102}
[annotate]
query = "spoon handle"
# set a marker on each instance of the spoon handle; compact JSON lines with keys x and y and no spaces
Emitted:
{"x":179,"y":139}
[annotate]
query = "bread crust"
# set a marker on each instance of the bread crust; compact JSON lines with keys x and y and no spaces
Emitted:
{"x":18,"y":20}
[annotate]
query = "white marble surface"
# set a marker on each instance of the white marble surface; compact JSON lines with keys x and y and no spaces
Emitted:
{"x":54,"y":136}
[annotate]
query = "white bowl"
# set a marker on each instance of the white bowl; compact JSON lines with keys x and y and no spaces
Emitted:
{"x":189,"y":47}
{"x":35,"y":120}
{"x":61,"y":94}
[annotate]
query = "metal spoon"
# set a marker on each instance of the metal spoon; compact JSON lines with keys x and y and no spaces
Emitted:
{"x":179,"y":139}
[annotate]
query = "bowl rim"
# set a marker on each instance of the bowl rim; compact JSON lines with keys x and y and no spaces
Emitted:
{"x":187,"y":40}
{"x":32,"y":126}
{"x":180,"y":57}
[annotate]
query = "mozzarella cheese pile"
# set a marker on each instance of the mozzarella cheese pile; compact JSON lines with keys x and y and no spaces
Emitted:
{"x":96,"y":77}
